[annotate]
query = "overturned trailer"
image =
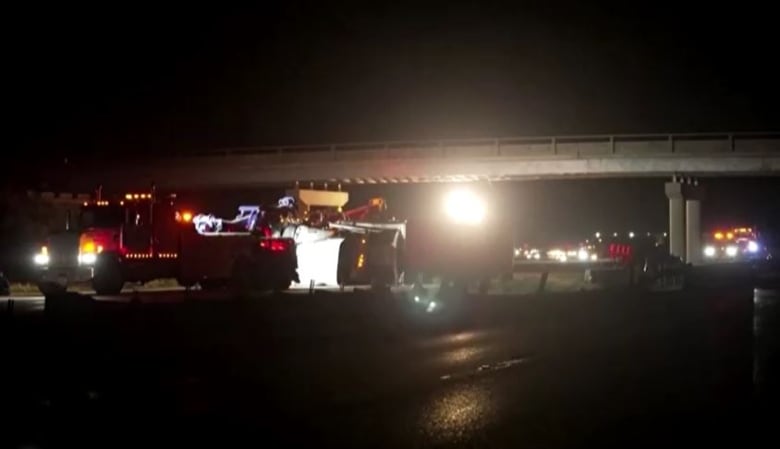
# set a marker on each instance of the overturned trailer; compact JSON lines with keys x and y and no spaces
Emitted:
{"x":337,"y":247}
{"x":462,"y":235}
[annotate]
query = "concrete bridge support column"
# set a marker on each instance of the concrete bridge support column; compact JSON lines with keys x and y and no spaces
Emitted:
{"x":694,"y":194}
{"x":674,"y":191}
{"x":693,"y":250}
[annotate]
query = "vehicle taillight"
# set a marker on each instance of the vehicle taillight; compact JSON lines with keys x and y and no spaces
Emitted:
{"x":274,"y":245}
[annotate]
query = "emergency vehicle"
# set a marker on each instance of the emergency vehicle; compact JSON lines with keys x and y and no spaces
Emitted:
{"x":734,"y":244}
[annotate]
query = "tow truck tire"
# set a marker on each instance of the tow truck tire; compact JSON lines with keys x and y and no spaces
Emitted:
{"x":49,"y":288}
{"x":211,"y":284}
{"x":282,"y":285}
{"x":108,"y":279}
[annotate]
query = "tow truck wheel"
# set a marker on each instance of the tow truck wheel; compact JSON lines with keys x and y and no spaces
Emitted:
{"x":108,"y":279}
{"x":282,"y":286}
{"x":211,"y":284}
{"x":48,"y":288}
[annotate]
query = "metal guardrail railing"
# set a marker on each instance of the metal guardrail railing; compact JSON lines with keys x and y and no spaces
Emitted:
{"x":730,"y":140}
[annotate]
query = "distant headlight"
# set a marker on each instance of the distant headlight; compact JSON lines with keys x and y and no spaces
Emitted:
{"x":752,"y":247}
{"x":87,"y":258}
{"x":732,"y":251}
{"x":709,"y":251}
{"x":41,"y":259}
{"x":582,"y":255}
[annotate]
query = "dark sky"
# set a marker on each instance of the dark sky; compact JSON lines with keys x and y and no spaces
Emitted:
{"x":132,"y":78}
{"x":160,"y":79}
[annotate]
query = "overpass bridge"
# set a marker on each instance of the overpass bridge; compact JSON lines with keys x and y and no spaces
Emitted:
{"x":680,"y":156}
{"x":711,"y":154}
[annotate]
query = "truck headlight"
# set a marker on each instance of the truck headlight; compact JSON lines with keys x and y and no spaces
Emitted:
{"x":732,"y":251}
{"x":752,"y":247}
{"x":42,"y":258}
{"x":709,"y":251}
{"x":87,"y":258}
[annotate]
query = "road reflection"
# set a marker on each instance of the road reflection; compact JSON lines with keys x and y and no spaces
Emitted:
{"x":457,"y":415}
{"x":462,"y":355}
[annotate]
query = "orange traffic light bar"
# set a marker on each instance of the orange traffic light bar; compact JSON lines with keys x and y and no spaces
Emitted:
{"x":138,"y":196}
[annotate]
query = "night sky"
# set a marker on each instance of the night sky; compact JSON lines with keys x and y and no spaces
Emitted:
{"x":131,"y":78}
{"x":121,"y":78}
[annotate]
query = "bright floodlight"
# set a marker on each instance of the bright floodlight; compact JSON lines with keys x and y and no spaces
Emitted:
{"x":463,"y":206}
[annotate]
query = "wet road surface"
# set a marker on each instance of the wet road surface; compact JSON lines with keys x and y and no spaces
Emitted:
{"x":356,"y":370}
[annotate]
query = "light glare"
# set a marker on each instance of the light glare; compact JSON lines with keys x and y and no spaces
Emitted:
{"x":463,"y":206}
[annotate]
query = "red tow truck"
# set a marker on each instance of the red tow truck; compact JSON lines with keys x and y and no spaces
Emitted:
{"x":143,"y":236}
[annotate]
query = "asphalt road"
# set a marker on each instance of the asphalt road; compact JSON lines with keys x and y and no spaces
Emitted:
{"x":356,"y":370}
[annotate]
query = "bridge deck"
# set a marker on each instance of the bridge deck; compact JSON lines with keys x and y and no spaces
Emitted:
{"x":465,"y":160}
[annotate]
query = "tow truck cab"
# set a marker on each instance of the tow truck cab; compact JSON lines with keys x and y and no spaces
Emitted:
{"x":143,"y":236}
{"x":130,"y":239}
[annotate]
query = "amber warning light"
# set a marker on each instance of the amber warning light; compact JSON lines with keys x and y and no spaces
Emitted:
{"x":184,"y":216}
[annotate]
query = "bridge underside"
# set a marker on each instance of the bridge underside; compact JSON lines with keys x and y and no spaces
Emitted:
{"x":455,"y":161}
{"x":245,"y":172}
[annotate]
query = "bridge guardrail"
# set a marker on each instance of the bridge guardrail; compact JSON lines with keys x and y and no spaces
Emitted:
{"x":572,"y":146}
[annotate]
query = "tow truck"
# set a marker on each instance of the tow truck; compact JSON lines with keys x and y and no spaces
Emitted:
{"x":732,"y":245}
{"x":306,"y":239}
{"x":144,"y":236}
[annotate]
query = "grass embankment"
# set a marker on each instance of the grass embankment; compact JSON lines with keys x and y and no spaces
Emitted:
{"x":29,"y":289}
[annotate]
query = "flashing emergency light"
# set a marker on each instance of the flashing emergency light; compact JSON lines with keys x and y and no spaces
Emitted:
{"x":718,"y":236}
